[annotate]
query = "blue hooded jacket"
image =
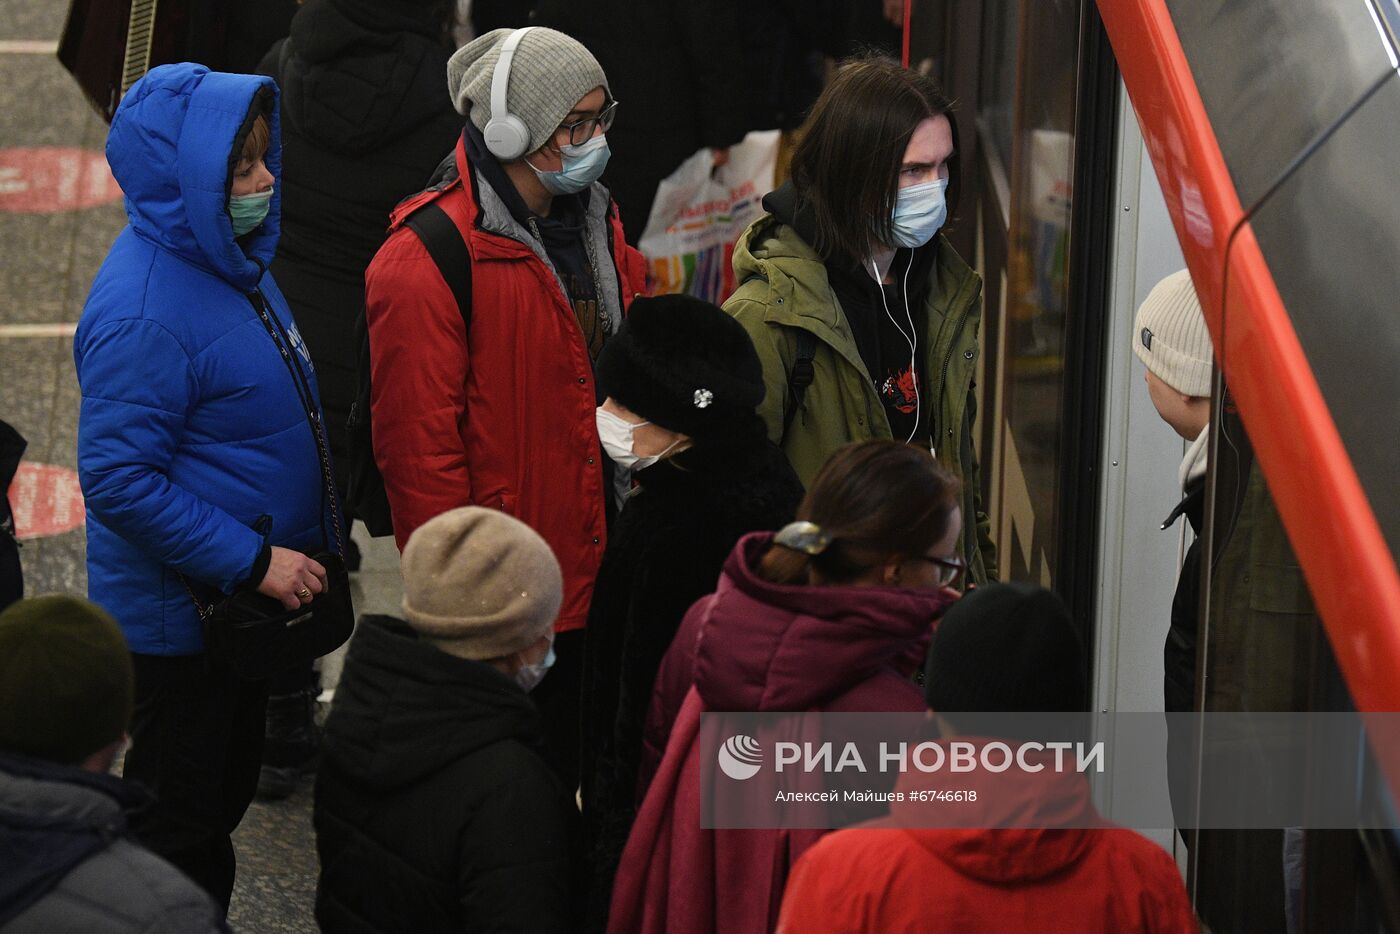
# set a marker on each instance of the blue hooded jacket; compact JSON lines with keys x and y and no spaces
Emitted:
{"x":191,"y":426}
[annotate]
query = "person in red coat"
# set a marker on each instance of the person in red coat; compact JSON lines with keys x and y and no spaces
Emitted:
{"x":833,"y":613}
{"x":504,"y":417}
{"x":1060,"y":867}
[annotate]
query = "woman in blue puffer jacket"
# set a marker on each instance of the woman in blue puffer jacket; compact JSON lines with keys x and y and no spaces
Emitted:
{"x":195,"y":450}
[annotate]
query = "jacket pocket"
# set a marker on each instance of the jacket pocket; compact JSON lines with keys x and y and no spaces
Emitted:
{"x":1276,"y":583}
{"x":1279,"y":588}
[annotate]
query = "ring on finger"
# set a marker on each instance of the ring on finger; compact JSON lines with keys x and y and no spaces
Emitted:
{"x":304,"y":593}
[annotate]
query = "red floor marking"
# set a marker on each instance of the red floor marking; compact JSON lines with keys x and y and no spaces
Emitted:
{"x":50,"y":179}
{"x":46,"y":500}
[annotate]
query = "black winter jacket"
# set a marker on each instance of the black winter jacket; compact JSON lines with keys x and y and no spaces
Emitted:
{"x":1179,"y":653}
{"x":434,"y":809}
{"x":664,"y":553}
{"x":365,"y":120}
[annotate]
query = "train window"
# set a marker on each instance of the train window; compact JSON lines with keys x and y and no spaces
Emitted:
{"x":1023,"y":99}
{"x":997,"y":91}
{"x":1030,"y":384}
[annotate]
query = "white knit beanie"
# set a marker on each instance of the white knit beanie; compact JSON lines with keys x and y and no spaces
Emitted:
{"x":550,"y":73}
{"x":1170,"y":336}
{"x":480,"y":584}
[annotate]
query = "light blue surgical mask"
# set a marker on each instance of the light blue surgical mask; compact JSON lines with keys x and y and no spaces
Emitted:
{"x":248,"y":211}
{"x":583,"y":165}
{"x":919,"y":212}
{"x":529,"y":676}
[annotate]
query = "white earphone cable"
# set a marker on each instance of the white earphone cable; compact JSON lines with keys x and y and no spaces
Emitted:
{"x":910,"y":337}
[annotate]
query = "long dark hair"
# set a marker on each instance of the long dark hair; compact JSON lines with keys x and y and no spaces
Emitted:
{"x":846,"y":168}
{"x":878,"y":500}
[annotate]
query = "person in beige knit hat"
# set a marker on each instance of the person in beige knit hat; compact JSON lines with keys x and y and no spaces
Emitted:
{"x":484,"y":392}
{"x":1171,"y":339}
{"x":435,"y":806}
{"x":483,"y":586}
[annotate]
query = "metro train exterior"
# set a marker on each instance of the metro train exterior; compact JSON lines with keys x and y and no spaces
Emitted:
{"x":1104,"y":146}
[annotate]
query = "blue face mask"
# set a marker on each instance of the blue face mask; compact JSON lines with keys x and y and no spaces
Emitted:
{"x":248,"y":211}
{"x":583,"y":165}
{"x":529,"y":676}
{"x":919,"y":212}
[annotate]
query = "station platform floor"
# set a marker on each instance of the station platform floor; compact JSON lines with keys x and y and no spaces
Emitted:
{"x":59,"y":212}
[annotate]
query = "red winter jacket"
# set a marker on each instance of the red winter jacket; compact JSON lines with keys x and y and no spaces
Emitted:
{"x":756,"y":646}
{"x":503,"y":417}
{"x":891,"y":877}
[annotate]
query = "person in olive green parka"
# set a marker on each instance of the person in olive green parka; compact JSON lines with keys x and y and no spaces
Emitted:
{"x":847,"y":271}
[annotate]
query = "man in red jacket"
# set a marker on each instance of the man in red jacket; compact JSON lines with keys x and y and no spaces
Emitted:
{"x":1006,"y":647}
{"x":504,"y":416}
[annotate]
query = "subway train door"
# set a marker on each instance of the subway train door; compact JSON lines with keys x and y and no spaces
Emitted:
{"x":1067,"y":242}
{"x":1063,"y":218}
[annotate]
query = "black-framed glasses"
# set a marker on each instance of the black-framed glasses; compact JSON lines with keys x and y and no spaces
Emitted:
{"x":582,"y":131}
{"x":950,"y":570}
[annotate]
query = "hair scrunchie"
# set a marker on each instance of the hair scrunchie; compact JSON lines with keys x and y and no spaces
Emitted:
{"x":803,"y":536}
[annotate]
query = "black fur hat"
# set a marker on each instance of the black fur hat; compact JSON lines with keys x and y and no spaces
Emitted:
{"x":683,"y":364}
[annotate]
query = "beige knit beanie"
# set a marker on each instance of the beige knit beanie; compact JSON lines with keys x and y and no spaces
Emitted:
{"x":550,"y":73}
{"x":480,"y":584}
{"x":1170,"y":336}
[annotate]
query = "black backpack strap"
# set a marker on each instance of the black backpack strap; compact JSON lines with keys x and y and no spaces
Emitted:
{"x":801,"y":376}
{"x":443,"y":241}
{"x":445,"y":245}
{"x":802,"y":372}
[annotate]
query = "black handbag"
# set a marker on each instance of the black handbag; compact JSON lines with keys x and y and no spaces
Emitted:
{"x":256,"y":635}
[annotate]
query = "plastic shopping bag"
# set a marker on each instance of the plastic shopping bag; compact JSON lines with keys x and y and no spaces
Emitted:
{"x":699,"y":213}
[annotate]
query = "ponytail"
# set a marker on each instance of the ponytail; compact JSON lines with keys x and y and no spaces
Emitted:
{"x":872,"y":502}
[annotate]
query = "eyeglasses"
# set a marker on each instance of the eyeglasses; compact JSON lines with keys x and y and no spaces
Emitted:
{"x":950,"y":570}
{"x":582,"y":131}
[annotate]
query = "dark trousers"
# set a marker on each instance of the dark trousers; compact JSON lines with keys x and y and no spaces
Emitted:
{"x":196,"y":743}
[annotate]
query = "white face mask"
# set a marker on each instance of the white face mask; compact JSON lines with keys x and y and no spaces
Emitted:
{"x":529,"y":676}
{"x":616,"y":434}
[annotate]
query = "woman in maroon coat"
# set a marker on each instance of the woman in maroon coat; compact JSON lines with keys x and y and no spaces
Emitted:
{"x":834,"y":613}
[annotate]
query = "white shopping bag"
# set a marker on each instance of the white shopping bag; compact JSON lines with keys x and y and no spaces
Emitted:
{"x":699,"y":213}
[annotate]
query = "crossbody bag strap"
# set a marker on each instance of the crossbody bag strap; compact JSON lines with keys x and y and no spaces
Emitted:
{"x":313,"y":418}
{"x":205,"y":610}
{"x":802,"y":373}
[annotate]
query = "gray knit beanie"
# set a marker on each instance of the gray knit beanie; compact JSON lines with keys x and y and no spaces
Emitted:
{"x":480,"y":584}
{"x":1170,"y":336}
{"x":550,"y":73}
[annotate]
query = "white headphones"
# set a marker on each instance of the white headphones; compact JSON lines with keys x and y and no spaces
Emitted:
{"x":506,"y":135}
